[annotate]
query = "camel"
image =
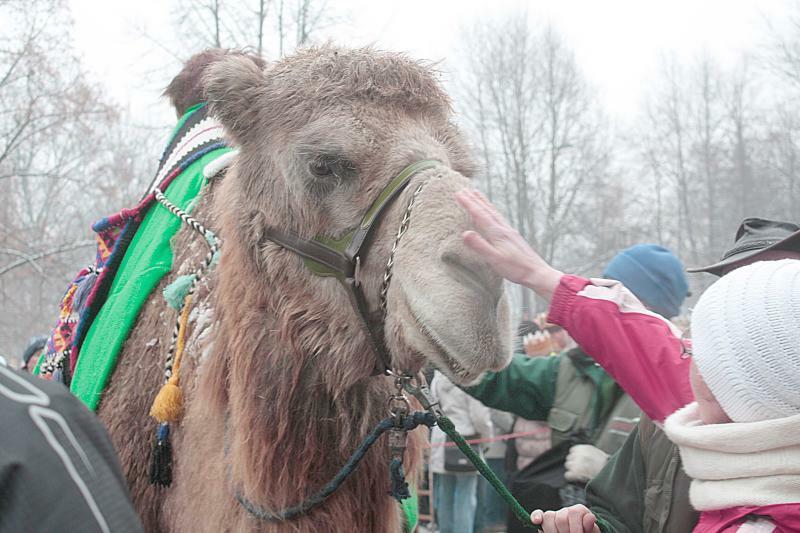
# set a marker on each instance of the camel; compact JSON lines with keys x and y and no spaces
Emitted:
{"x":279,"y":381}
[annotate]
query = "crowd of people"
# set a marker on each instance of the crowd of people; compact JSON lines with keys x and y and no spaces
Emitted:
{"x":655,"y":429}
{"x":569,"y":415}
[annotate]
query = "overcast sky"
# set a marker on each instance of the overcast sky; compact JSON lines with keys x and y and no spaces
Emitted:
{"x":617,"y":42}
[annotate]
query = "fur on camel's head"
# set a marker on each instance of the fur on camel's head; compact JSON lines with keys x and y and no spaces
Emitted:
{"x":320,"y":134}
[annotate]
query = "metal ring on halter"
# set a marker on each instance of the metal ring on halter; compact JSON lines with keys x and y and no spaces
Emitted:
{"x":422,"y":394}
{"x":400,"y":377}
{"x":413,"y":380}
{"x":408,"y":381}
{"x":398,"y":400}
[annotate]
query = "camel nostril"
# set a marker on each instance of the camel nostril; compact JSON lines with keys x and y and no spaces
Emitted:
{"x":469,"y":270}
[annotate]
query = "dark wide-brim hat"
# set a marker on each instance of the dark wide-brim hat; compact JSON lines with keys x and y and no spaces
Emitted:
{"x":754,"y":236}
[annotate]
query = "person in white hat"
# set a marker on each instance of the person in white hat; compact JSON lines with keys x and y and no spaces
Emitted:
{"x":731,"y":402}
{"x":643,"y":488}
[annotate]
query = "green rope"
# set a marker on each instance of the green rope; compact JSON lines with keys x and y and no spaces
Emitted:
{"x":449,"y":429}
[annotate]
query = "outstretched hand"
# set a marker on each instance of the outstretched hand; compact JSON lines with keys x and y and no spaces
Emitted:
{"x":575,"y":519}
{"x":503,"y":248}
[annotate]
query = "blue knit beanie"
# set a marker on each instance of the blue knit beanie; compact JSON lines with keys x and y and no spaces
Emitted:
{"x":654,"y":275}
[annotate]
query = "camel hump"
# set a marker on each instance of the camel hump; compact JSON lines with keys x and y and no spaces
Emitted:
{"x":186,"y":89}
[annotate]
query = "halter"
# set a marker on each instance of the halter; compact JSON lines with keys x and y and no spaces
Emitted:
{"x":341,"y":258}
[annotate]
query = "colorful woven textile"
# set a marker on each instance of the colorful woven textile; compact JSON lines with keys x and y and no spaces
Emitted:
{"x":196,"y":142}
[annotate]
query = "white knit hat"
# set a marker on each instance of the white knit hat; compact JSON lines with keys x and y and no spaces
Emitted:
{"x":746,"y":340}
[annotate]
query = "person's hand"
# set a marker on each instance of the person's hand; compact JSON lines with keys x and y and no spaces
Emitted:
{"x":575,"y":519}
{"x":583,"y":462}
{"x":503,"y":248}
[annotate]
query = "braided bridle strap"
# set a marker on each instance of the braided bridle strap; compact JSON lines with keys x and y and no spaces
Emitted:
{"x":213,"y":244}
{"x":404,"y":224}
{"x":167,"y":406}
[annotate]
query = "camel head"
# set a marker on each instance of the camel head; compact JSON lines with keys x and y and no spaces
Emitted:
{"x":321,"y":134}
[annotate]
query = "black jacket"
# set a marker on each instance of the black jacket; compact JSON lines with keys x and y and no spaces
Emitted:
{"x":58,"y":468}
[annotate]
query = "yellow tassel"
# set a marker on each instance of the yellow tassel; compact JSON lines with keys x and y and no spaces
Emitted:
{"x":168,"y":405}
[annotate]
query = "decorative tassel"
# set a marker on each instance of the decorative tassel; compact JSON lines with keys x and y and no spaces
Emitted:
{"x":84,"y":289}
{"x":58,"y":375}
{"x":161,"y":459}
{"x":175,"y":293}
{"x":399,"y":485}
{"x":168,"y":405}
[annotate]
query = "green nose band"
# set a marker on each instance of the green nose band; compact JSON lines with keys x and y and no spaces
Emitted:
{"x":349,"y":247}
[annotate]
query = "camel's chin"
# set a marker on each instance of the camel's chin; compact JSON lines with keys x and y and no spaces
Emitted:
{"x":461,"y":366}
{"x":457,"y":331}
{"x":458,"y":379}
{"x":441,"y":359}
{"x":457,"y":371}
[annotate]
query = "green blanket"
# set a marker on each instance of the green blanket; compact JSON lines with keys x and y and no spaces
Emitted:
{"x":147,"y":260}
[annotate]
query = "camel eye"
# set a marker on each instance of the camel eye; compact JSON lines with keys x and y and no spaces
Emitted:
{"x":326,"y":172}
{"x":320,"y":167}
{"x":328,"y":166}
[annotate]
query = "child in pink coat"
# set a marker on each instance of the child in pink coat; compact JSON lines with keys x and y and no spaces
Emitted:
{"x":731,"y":402}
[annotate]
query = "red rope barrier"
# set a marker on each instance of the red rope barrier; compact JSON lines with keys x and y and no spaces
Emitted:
{"x":500,"y":438}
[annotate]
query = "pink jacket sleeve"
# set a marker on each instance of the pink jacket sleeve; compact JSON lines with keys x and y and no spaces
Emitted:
{"x":638,"y":348}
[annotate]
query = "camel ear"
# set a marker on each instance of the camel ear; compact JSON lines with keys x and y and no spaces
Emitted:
{"x":233,"y":88}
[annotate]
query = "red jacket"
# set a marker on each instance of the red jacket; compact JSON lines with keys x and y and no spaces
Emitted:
{"x":642,"y":352}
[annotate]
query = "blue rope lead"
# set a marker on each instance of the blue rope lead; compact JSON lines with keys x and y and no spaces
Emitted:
{"x":407,"y":423}
{"x":399,"y":485}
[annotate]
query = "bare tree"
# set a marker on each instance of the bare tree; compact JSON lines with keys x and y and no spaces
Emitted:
{"x":781,"y":150}
{"x":281,"y":28}
{"x":206,"y":23}
{"x":781,"y":138}
{"x":251,"y":23}
{"x":58,"y":138}
{"x":541,"y":134}
{"x":695,"y":142}
{"x":781,"y":54}
{"x":263,"y":11}
{"x":741,"y":112}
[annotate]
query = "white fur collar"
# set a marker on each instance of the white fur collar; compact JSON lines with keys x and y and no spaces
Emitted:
{"x":738,"y":464}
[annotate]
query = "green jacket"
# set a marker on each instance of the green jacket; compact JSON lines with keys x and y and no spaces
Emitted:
{"x":527,"y":387}
{"x":642,"y":488}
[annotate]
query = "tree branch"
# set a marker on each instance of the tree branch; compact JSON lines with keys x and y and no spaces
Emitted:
{"x":31,"y":259}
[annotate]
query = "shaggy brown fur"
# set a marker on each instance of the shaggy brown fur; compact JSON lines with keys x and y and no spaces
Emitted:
{"x":140,"y":371}
{"x":281,"y":394}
